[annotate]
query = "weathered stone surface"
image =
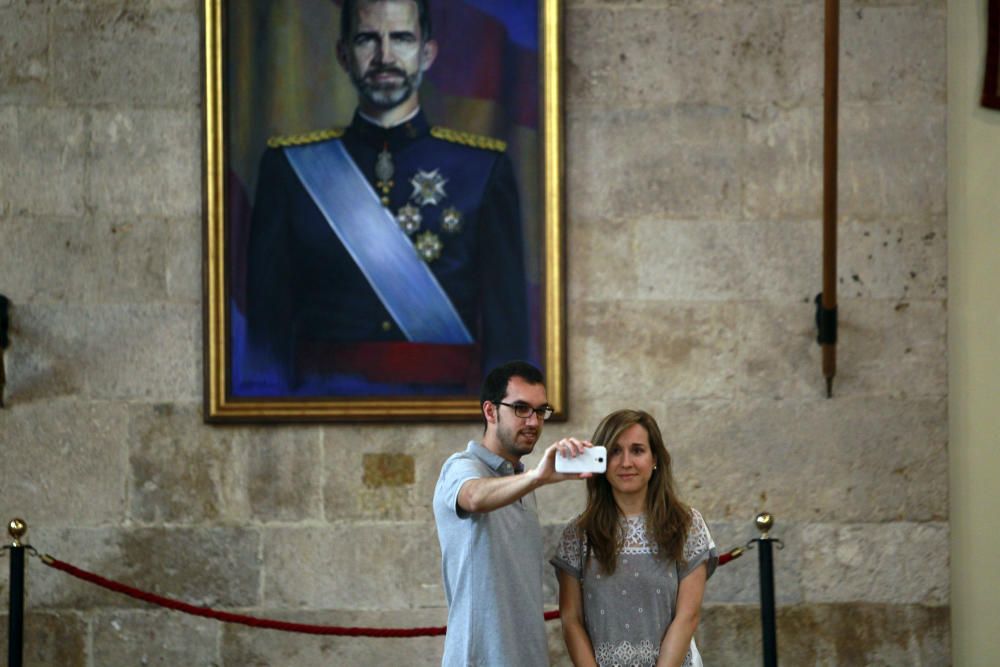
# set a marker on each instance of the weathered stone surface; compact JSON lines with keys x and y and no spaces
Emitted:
{"x":24,"y":63}
{"x":601,"y":261}
{"x":167,"y":639}
{"x":829,"y":635}
{"x":367,"y":566}
{"x":193,"y":6}
{"x":847,"y":459}
{"x":727,"y":261}
{"x":654,"y":55}
{"x":905,"y":260}
{"x":145,"y":163}
{"x":897,"y":349}
{"x":45,"y":359}
{"x":691,"y":170}
{"x":387,"y":470}
{"x":347,"y":496}
{"x":773,"y":260}
{"x":893,"y":563}
{"x":891,"y":162}
{"x":183,"y":471}
{"x":213,"y":566}
{"x":184,"y":260}
{"x":247,"y":647}
{"x":116,"y":55}
{"x":63,"y":463}
{"x":893,"y":53}
{"x":42,"y":172}
{"x":83,"y":261}
{"x":51,"y":638}
{"x":147,"y":352}
{"x":681,"y":350}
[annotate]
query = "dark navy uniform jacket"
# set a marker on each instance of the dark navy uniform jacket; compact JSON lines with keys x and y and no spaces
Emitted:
{"x":306,"y":296}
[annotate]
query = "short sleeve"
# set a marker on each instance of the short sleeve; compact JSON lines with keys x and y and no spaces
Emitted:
{"x":699,"y":547}
{"x":456,"y":471}
{"x":569,"y":556}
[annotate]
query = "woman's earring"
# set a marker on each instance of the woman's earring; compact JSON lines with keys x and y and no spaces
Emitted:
{"x":654,"y":467}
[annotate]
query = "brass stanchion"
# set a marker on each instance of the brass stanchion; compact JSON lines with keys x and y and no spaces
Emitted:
{"x":15,"y":626}
{"x":765,"y":542}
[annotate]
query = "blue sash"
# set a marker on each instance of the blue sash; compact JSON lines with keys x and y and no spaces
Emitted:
{"x":403,"y":282}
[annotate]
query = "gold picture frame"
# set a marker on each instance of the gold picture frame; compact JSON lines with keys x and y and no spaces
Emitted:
{"x":221,"y":309}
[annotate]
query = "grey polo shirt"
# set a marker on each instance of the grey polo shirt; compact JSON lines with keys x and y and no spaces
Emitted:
{"x":492,"y":568}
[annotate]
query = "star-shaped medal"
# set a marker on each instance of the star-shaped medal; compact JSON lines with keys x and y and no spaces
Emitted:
{"x":428,"y":187}
{"x":408,"y":218}
{"x":451,"y":220}
{"x":428,"y":246}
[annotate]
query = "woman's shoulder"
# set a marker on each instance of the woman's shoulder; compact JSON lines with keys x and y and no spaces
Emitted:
{"x":569,"y":549}
{"x":698,"y":537}
{"x":572,"y":529}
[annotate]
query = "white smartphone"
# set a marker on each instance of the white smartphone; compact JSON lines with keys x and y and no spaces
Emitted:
{"x":592,"y":459}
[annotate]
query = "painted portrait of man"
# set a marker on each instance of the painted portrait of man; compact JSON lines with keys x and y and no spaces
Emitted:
{"x":393,"y":254}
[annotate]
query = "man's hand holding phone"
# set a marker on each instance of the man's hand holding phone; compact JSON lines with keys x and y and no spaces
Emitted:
{"x":567,"y":448}
{"x":593,"y":460}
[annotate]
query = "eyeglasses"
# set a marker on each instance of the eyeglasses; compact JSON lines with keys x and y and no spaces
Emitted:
{"x":523,"y":410}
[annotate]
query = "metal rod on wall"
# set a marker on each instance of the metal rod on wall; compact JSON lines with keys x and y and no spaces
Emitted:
{"x":4,"y":341}
{"x":826,"y":303}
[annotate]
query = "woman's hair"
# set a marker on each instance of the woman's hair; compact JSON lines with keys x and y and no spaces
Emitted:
{"x":667,"y":518}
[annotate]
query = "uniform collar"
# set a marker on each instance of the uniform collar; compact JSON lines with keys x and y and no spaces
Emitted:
{"x":495,"y":462}
{"x":395,"y":137}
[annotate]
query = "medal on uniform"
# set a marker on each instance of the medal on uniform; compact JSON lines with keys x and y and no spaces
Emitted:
{"x":428,"y":187}
{"x":384,"y":169}
{"x":428,"y":246}
{"x":408,"y":218}
{"x":451,"y":220}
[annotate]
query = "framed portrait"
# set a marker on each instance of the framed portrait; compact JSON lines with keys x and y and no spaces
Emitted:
{"x":991,"y":83}
{"x":384,"y":208}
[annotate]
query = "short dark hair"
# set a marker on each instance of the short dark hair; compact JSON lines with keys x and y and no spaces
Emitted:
{"x":348,"y":12}
{"x":494,"y":387}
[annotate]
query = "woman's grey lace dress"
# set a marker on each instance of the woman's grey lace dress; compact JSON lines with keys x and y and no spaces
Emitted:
{"x":628,"y":612}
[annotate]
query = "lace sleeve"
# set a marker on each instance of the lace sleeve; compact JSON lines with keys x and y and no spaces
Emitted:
{"x":569,"y":556}
{"x":699,"y":546}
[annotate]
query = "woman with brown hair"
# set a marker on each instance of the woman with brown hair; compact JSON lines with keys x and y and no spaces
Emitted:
{"x":632,"y":567}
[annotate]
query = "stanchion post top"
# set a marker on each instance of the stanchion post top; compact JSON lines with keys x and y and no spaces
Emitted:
{"x":764,"y":521}
{"x":17,"y":528}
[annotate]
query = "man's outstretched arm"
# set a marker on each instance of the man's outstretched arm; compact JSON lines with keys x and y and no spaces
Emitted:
{"x":486,"y":494}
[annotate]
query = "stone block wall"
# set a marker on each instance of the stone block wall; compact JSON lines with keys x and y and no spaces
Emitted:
{"x":693,"y":190}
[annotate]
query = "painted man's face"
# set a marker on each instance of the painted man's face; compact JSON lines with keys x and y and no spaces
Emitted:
{"x":386,"y":55}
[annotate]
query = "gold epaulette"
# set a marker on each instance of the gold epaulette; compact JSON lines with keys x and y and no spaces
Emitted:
{"x":469,"y":139}
{"x":307,"y":138}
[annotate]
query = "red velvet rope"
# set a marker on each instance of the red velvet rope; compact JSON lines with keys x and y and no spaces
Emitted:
{"x":227,"y":617}
{"x":270,"y":624}
{"x":730,"y":555}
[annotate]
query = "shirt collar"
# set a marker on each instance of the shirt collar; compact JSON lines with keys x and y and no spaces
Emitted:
{"x":394,"y":138}
{"x":411,"y":116}
{"x":494,"y":461}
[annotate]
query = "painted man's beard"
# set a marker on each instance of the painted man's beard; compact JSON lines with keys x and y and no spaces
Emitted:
{"x":387,"y":96}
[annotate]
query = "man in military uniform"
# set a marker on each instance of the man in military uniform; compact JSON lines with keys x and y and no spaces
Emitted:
{"x":384,"y":258}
